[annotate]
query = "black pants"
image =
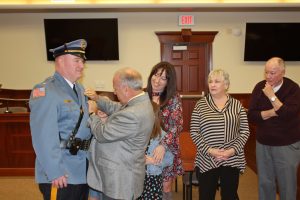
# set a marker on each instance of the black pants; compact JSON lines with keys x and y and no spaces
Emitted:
{"x":225,"y":177}
{"x":71,"y":192}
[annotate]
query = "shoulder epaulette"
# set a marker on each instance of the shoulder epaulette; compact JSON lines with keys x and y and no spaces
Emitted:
{"x":47,"y":80}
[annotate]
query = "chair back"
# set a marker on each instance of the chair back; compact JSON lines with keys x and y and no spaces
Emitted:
{"x":188,"y":151}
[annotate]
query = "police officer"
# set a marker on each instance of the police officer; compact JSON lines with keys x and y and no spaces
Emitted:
{"x":58,"y":119}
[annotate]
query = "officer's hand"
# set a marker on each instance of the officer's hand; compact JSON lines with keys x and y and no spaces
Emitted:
{"x":91,"y":93}
{"x":60,"y":182}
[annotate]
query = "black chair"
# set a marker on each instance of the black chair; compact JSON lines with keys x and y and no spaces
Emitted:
{"x":186,"y":183}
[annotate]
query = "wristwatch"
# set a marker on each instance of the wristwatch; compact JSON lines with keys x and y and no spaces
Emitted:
{"x":273,"y":98}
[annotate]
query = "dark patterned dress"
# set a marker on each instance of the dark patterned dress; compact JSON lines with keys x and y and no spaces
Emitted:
{"x":153,"y":183}
{"x":172,"y":123}
{"x":152,"y":188}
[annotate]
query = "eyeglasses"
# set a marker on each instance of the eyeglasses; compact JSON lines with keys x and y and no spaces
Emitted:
{"x":158,"y":76}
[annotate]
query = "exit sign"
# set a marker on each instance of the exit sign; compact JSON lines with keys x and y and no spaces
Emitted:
{"x":186,"y":20}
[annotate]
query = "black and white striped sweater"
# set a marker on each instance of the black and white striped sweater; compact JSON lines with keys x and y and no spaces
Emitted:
{"x":226,"y":128}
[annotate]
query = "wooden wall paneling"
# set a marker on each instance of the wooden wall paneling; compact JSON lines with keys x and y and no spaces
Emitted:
{"x":18,"y":157}
{"x":3,"y":149}
{"x":19,"y":143}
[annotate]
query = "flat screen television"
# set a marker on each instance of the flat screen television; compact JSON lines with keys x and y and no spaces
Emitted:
{"x":101,"y":36}
{"x":266,"y":40}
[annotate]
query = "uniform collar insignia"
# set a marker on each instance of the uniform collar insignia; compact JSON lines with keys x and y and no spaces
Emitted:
{"x":67,"y":101}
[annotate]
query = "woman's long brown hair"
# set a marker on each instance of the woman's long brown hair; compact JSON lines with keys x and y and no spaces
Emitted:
{"x":156,"y":126}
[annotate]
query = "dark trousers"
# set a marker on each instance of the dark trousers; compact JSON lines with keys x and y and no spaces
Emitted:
{"x":225,"y":177}
{"x":71,"y":192}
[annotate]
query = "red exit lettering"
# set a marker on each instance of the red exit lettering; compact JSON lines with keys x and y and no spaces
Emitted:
{"x":186,"y":20}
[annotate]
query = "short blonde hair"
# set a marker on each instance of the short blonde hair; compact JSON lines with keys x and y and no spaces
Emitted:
{"x":219,"y":73}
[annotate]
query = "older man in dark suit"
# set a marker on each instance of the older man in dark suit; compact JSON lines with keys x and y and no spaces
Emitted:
{"x":117,"y":164}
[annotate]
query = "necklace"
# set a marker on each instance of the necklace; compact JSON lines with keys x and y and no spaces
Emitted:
{"x":156,"y":94}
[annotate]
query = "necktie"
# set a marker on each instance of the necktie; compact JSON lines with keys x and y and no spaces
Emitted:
{"x":74,"y":89}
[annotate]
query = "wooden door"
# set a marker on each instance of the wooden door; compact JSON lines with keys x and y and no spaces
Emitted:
{"x":191,"y":54}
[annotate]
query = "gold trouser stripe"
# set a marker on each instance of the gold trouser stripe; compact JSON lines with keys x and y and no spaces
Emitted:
{"x":53,"y":193}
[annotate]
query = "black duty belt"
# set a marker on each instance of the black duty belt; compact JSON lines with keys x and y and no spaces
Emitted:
{"x":82,"y":144}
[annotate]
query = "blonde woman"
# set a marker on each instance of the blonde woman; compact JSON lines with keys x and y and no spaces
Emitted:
{"x":219,"y":128}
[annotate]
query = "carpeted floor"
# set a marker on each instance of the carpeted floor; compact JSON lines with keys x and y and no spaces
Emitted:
{"x":24,"y":188}
{"x":19,"y":188}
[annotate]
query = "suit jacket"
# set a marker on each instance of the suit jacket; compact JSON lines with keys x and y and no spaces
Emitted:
{"x":117,"y":164}
{"x":55,"y":110}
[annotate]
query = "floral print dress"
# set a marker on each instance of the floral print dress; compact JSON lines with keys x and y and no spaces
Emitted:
{"x":172,"y":123}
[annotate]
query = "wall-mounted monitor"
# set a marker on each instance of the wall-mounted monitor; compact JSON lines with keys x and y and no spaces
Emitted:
{"x":266,"y":40}
{"x":101,"y":35}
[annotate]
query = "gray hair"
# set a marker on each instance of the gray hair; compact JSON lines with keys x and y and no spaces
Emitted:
{"x":279,"y":62}
{"x":130,"y":77}
{"x":220,"y":73}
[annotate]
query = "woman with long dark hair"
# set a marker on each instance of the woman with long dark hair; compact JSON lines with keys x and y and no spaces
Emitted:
{"x":161,"y":88}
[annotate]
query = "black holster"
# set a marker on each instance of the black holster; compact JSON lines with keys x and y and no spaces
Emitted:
{"x":74,"y":145}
